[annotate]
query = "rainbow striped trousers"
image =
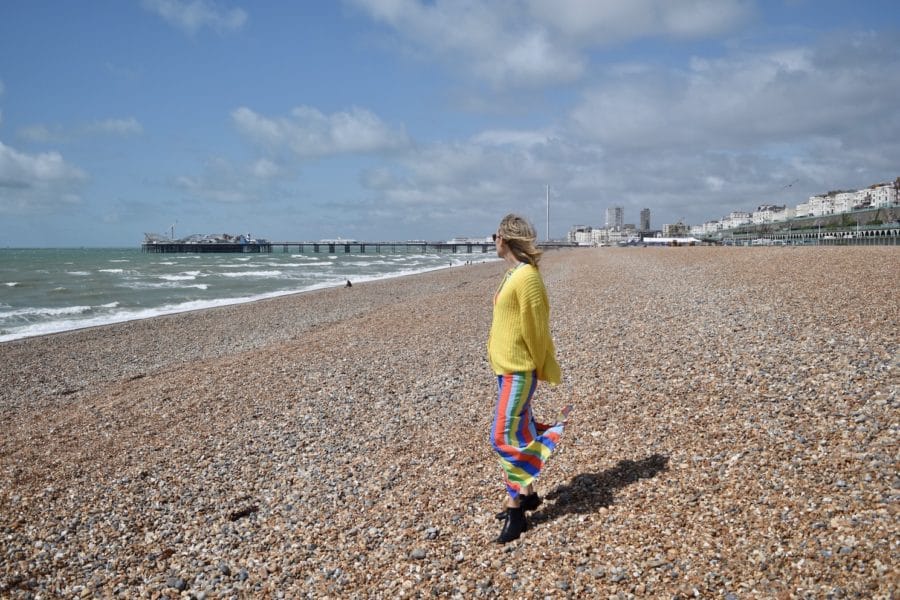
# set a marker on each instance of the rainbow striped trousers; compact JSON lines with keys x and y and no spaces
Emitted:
{"x":522,"y":444}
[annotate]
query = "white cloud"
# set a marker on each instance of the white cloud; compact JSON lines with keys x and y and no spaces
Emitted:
{"x":472,"y":180}
{"x":532,"y":59}
{"x":693,"y":142}
{"x":216,"y":190}
{"x":502,"y":137}
{"x":525,"y":43}
{"x":308,"y":133}
{"x":36,"y":183}
{"x":265,"y":169}
{"x":724,"y":134}
{"x":193,"y":15}
{"x":224,"y":181}
{"x":623,"y":20}
{"x":493,"y":40}
{"x":745,"y":100}
{"x":41,"y":133}
{"x":129,"y":126}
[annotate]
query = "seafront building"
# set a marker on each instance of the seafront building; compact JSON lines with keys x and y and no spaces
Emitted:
{"x":678,"y":229}
{"x":645,"y":220}
{"x":879,"y":195}
{"x":615,"y":218}
{"x":615,"y":231}
{"x":866,"y":203}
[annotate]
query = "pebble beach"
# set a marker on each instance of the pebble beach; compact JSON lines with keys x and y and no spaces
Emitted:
{"x":734,"y":435}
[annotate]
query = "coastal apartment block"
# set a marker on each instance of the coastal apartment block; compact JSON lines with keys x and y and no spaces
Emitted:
{"x":837,"y":202}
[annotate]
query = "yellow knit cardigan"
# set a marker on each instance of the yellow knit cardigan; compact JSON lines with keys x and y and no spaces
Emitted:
{"x":520,"y":331}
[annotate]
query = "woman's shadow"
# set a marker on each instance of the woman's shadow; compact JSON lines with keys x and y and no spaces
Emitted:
{"x":589,"y":491}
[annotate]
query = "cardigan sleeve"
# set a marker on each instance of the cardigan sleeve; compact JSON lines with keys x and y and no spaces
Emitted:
{"x":534,"y":311}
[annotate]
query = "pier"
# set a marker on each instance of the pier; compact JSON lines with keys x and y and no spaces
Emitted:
{"x":334,"y":247}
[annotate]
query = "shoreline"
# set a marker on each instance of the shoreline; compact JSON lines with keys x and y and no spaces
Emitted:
{"x":92,"y":344}
{"x":215,"y":303}
{"x":733,"y":433}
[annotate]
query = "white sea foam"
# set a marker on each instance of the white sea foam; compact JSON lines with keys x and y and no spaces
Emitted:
{"x":36,"y":311}
{"x":11,"y":284}
{"x":167,"y":262}
{"x":156,"y":285}
{"x":119,"y":260}
{"x":80,"y":273}
{"x":256,"y":265}
{"x":110,"y":305}
{"x":183,"y":277}
{"x":253,"y":274}
{"x":111,"y":270}
{"x":57,"y":326}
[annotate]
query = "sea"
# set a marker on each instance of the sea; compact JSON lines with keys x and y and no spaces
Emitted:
{"x":49,"y":290}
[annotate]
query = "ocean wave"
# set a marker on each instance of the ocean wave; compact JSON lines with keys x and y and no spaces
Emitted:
{"x":12,"y":284}
{"x":254,"y":274}
{"x":119,"y":260}
{"x":111,"y":270}
{"x":79,"y":273}
{"x":110,"y":305}
{"x":56,"y":326}
{"x":36,"y":311}
{"x":183,"y":277}
{"x":156,"y":285}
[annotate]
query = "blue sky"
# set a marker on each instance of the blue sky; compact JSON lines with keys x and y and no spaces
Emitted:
{"x":402,"y":119}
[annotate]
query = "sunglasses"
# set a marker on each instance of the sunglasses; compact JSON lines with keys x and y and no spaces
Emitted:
{"x":494,"y":236}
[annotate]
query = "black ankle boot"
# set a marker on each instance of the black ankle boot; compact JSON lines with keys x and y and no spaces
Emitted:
{"x":531,"y":502}
{"x":514,"y":525}
{"x":528,"y":503}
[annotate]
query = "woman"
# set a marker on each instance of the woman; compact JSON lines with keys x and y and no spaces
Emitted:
{"x":521,"y":352}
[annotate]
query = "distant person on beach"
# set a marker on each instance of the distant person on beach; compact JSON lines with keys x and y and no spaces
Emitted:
{"x":521,"y":352}
{"x":348,"y":284}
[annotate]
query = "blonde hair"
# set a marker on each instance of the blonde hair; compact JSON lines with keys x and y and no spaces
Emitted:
{"x":519,"y":235}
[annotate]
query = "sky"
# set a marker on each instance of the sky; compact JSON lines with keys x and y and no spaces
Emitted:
{"x":409,"y":119}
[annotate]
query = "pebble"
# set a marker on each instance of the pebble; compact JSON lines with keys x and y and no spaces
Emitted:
{"x":727,"y":402}
{"x":177,"y":583}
